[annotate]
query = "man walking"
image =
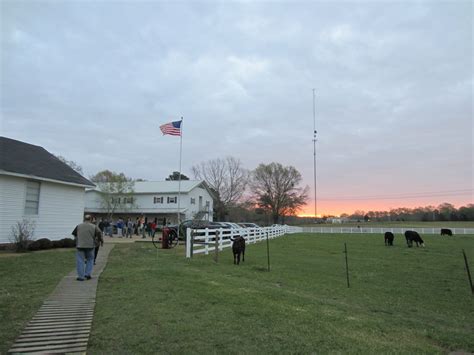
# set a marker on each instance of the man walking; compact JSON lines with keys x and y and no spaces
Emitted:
{"x":85,"y":235}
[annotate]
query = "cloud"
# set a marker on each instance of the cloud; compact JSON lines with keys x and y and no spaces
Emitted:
{"x":393,"y":87}
{"x":338,"y":34}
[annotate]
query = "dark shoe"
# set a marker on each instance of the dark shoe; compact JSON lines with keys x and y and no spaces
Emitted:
{"x":79,"y":279}
{"x":88,"y":277}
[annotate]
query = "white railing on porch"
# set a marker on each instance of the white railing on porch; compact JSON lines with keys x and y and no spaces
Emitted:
{"x":200,"y":241}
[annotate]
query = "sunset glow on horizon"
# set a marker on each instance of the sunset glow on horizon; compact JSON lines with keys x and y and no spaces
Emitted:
{"x":336,"y":208}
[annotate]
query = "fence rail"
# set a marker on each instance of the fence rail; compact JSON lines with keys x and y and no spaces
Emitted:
{"x":199,"y":241}
{"x":379,"y":230}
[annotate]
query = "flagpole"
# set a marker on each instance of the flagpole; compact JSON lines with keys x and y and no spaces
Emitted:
{"x":179,"y":179}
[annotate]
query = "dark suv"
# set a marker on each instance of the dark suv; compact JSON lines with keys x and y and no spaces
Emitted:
{"x":192,"y":224}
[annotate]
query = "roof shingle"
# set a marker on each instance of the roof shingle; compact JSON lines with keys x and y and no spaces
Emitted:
{"x":27,"y":159}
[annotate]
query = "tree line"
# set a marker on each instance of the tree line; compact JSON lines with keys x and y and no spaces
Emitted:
{"x":442,"y":212}
{"x":271,"y":189}
{"x":271,"y":193}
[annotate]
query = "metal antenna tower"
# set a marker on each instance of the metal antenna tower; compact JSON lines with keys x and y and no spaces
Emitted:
{"x":314,"y":156}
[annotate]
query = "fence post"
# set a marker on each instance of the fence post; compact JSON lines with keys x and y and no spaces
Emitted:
{"x":268,"y":253}
{"x":216,"y":246}
{"x":189,"y":250}
{"x":468,"y":272}
{"x":206,"y":239}
{"x":347,"y":265}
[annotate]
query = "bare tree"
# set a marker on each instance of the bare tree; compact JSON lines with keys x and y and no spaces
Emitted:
{"x":276,"y":190}
{"x":71,"y":163}
{"x":175,"y":176}
{"x":227,"y":178}
{"x":22,"y":234}
{"x":116,"y":191}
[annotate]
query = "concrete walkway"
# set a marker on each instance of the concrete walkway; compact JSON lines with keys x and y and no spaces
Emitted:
{"x":64,"y":321}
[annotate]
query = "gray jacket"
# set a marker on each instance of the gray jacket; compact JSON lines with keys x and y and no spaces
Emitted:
{"x":86,"y":234}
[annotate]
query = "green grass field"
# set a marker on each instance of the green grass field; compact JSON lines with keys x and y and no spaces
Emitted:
{"x":412,"y":224}
{"x":401,"y":300}
{"x":152,"y":301}
{"x":25,"y":282}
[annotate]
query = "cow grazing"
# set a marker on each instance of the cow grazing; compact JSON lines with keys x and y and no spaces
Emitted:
{"x":238,"y":247}
{"x":389,"y":238}
{"x":446,"y":231}
{"x":412,"y":236}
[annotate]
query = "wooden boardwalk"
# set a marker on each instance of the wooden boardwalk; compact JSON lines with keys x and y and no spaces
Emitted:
{"x":64,"y":321}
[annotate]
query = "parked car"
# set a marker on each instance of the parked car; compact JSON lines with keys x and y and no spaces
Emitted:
{"x":200,"y":224}
{"x":234,"y":225}
{"x":228,"y":225}
{"x":248,"y":225}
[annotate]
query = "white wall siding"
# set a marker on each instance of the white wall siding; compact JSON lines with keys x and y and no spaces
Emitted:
{"x":12,"y":204}
{"x":92,"y":201}
{"x":144,"y":203}
{"x":193,"y":209}
{"x":61,"y":208}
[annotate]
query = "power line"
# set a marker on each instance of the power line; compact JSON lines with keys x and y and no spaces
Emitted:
{"x":448,"y":193}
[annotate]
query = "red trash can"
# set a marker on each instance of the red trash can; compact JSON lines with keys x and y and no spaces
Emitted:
{"x":164,"y":238}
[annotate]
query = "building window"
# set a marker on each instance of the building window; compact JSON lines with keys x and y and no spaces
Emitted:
{"x":128,"y":200}
{"x":158,"y":199}
{"x":172,"y":199}
{"x":208,"y":204}
{"x":193,"y":201}
{"x":32,"y":197}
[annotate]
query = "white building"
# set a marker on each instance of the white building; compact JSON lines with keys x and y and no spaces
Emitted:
{"x":159,"y":199}
{"x":37,"y":186}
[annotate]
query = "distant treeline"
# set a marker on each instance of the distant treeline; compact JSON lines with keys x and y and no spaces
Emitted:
{"x":443,"y":212}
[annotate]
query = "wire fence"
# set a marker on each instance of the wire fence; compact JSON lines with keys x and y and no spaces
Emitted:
{"x":204,"y":241}
{"x":378,"y":230}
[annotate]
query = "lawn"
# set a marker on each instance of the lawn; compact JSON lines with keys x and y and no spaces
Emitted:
{"x":411,"y":224}
{"x":401,"y":300}
{"x":26,"y":280}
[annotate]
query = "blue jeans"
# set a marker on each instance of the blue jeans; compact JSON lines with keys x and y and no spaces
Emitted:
{"x":84,"y":255}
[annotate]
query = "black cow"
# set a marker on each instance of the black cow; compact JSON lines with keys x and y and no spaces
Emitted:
{"x":389,"y":238}
{"x":238,"y":247}
{"x":446,"y":231}
{"x":412,"y":236}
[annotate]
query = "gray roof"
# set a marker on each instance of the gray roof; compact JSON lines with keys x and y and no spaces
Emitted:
{"x":165,"y":187}
{"x":26,"y":159}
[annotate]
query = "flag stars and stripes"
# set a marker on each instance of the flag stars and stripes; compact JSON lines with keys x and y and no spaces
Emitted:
{"x":171,"y":128}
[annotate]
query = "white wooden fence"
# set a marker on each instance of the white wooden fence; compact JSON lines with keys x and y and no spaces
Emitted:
{"x":200,"y":241}
{"x":382,"y":230}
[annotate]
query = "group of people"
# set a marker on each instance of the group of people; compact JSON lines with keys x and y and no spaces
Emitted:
{"x":139,"y":226}
{"x":89,"y":237}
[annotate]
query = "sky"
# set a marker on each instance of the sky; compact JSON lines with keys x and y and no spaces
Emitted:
{"x":92,"y":81}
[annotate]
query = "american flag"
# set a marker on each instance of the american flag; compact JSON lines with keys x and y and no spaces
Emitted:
{"x":171,"y":128}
